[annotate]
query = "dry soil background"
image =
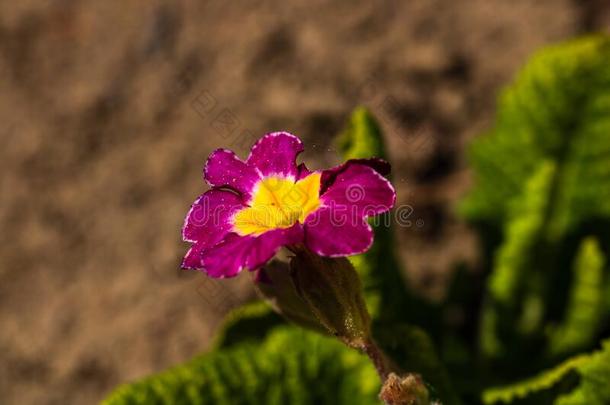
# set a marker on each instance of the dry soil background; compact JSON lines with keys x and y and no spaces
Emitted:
{"x":108,"y":110}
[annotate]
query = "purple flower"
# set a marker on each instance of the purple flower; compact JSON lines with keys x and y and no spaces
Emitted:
{"x":257,"y":206}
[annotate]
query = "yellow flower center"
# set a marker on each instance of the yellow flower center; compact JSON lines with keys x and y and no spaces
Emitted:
{"x":278,"y":203}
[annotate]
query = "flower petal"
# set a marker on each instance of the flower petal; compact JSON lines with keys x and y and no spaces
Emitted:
{"x":331,"y":233}
{"x":361,"y":191}
{"x":303,"y":171}
{"x":192,"y":259}
{"x":275,"y":154}
{"x":209,"y":218}
{"x":236,"y":253}
{"x":329,"y":176}
{"x":224,"y":169}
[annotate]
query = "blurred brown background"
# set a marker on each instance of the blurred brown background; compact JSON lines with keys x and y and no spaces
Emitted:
{"x":108,"y":110}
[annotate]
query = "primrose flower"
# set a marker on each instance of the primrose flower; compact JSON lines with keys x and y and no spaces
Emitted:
{"x":256,"y":206}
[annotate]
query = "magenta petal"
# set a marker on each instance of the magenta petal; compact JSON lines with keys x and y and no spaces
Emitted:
{"x":208,"y":220}
{"x":267,"y":244}
{"x":361,"y":191}
{"x":224,"y":169}
{"x":329,"y":176}
{"x":303,"y":171}
{"x":207,"y":223}
{"x":228,"y":257}
{"x":192,"y":259}
{"x":236,"y":253}
{"x":333,"y":233}
{"x":275,"y":154}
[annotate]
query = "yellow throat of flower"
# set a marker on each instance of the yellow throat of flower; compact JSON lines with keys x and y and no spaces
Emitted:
{"x":278,"y":203}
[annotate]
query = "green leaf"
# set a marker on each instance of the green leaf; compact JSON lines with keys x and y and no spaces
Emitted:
{"x":362,"y":137}
{"x":530,"y":386}
{"x":400,"y":316}
{"x":522,"y":233}
{"x":508,"y":284}
{"x":290,"y":366}
{"x":543,"y":180}
{"x":585,"y":310}
{"x":387,"y":295}
{"x":592,"y":389}
{"x":248,"y":323}
{"x":557,"y":110}
{"x":379,"y":269}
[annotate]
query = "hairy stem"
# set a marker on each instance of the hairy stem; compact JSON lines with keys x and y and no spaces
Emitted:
{"x":371,"y":349}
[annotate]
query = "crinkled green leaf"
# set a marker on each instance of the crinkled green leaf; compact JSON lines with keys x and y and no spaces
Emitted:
{"x":593,"y":387}
{"x":557,"y":110}
{"x":513,"y":266}
{"x":290,"y":366}
{"x":522,"y":233}
{"x":530,"y":386}
{"x":585,"y":309}
{"x":543,"y":181}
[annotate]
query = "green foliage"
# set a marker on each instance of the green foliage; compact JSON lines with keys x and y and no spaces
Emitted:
{"x":290,"y":366}
{"x":380,"y":271}
{"x":513,"y":267}
{"x":543,"y":381}
{"x":248,"y":323}
{"x":543,"y":181}
{"x":362,"y":138}
{"x":593,"y":387}
{"x":542,"y":206}
{"x":558,"y":111}
{"x":258,"y":359}
{"x":585,"y":308}
{"x":522,"y":232}
{"x":386,"y":291}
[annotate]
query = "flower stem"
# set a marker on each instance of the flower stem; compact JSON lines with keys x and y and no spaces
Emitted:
{"x":371,"y":349}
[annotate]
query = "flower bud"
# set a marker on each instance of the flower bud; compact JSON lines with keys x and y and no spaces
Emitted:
{"x":275,"y":284}
{"x":332,"y":290}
